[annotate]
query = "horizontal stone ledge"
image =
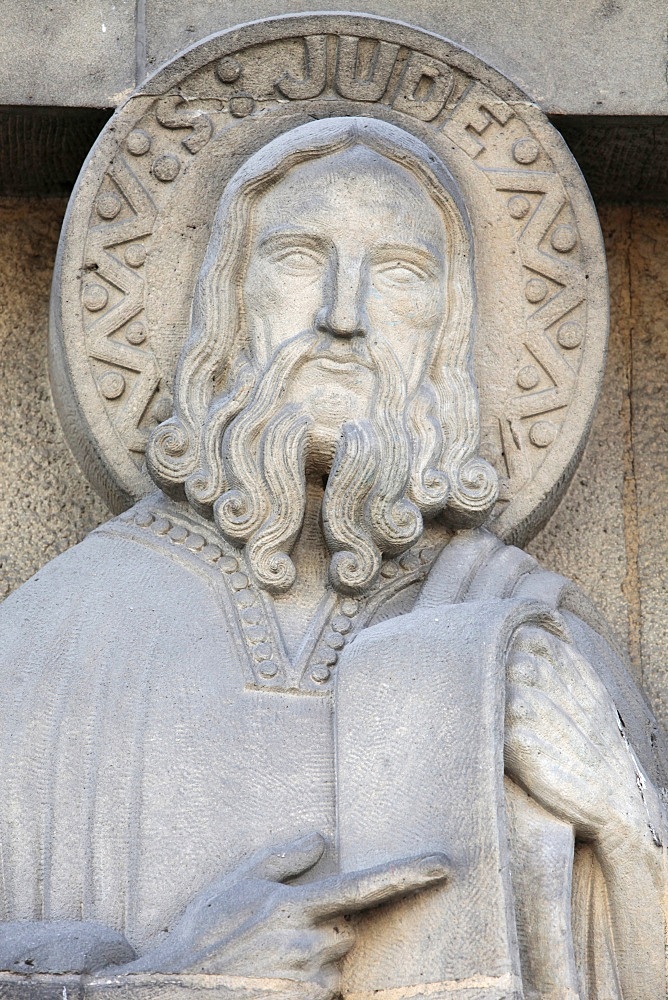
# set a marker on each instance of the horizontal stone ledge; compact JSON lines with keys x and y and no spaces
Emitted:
{"x":590,"y":57}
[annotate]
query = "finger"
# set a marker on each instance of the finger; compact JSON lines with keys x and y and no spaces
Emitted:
{"x":530,"y":762}
{"x":568,"y":664}
{"x":276,"y":864}
{"x":322,"y":944}
{"x":533,"y":709}
{"x":563,"y":685}
{"x":350,"y":893}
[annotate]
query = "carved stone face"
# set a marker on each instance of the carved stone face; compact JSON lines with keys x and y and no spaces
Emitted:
{"x":352,"y":247}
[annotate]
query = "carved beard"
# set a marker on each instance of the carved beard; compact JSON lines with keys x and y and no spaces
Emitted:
{"x":366,"y":510}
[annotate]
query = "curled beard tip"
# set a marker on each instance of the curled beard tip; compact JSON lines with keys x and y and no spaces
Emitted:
{"x":429,"y":491}
{"x":354,"y":572}
{"x":474,"y":493}
{"x":235,"y":515}
{"x":201,"y":492}
{"x":168,"y":452}
{"x":275,"y":571}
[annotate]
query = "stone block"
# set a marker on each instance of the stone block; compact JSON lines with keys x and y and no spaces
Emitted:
{"x":594,"y":57}
{"x":63,"y":53}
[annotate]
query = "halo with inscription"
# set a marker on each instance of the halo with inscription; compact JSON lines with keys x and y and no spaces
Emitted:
{"x":140,"y":217}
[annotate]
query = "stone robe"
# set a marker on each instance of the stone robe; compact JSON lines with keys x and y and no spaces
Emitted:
{"x":154,"y":730}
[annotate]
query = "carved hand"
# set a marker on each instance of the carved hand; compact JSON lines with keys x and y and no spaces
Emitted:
{"x":249,"y":923}
{"x":565,"y":742}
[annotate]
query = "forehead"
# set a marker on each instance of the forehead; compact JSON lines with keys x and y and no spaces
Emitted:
{"x":355,"y":192}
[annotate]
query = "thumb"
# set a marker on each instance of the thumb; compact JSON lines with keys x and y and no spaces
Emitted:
{"x":276,"y":864}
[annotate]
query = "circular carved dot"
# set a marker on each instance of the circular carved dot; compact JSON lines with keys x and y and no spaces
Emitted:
{"x":528,"y":377}
{"x":409,"y":561}
{"x":112,"y":385}
{"x":163,"y":409}
{"x":327,"y":656}
{"x":518,"y":206}
{"x":229,"y":564}
{"x":251,"y":615}
{"x":238,"y":581}
{"x":535,"y":290}
{"x":178,"y":534}
{"x":256,"y":633}
{"x":241,"y":105}
{"x":136,"y":333}
{"x":108,"y":205}
{"x":211,"y":552}
{"x":569,"y":335}
{"x":335,"y":641}
{"x":144,"y":519}
{"x":542,"y":433}
{"x":138,"y":142}
{"x":161,"y":526}
{"x":195,"y":542}
{"x":564,"y":238}
{"x":321,"y":673}
{"x":245,"y":598}
{"x":228,"y":70}
{"x":341,"y":624}
{"x":95,"y":297}
{"x":269,"y":669}
{"x":525,"y":150}
{"x":166,"y":167}
{"x":349,"y":607}
{"x":388,"y":570}
{"x":135,"y":255}
{"x":262,"y":652}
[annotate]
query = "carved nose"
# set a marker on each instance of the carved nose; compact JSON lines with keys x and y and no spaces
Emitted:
{"x":343,"y":313}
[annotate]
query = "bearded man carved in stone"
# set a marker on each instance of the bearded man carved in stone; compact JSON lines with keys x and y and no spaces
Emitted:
{"x":175,"y":752}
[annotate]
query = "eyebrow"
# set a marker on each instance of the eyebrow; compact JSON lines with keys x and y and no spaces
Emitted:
{"x":291,"y":235}
{"x":425,"y":252}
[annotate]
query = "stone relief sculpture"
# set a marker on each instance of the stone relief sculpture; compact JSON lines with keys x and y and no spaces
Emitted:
{"x":299,"y":722}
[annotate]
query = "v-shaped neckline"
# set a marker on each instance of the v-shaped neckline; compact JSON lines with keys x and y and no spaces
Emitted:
{"x":338,"y":618}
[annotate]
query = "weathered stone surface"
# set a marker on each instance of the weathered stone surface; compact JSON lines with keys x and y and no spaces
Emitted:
{"x":648,"y":444}
{"x":303,"y":655}
{"x":46,"y":505}
{"x":78,"y":54}
{"x":596,"y":57}
{"x":541,"y":290}
{"x":586,"y":539}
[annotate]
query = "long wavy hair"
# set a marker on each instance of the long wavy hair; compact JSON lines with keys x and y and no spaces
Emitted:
{"x":219,"y":385}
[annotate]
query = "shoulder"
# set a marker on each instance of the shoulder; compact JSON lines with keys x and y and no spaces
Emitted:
{"x":138,"y":560}
{"x":477,"y":566}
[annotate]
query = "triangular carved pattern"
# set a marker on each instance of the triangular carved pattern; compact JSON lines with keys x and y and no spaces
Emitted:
{"x":139,"y":360}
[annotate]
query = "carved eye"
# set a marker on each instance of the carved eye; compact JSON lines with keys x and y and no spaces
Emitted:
{"x":402,"y":273}
{"x":298,"y":260}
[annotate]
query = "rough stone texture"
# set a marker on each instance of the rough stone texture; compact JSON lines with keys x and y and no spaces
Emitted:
{"x":594,"y":57}
{"x":160,"y":186}
{"x":67,"y":53}
{"x":45,"y":503}
{"x":152,"y":679}
{"x":608,"y":534}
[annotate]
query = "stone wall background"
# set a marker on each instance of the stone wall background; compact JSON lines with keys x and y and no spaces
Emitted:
{"x":609,"y":533}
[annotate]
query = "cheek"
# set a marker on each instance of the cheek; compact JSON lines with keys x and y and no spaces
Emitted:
{"x":416,"y":306}
{"x":278,"y":303}
{"x":410,"y":320}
